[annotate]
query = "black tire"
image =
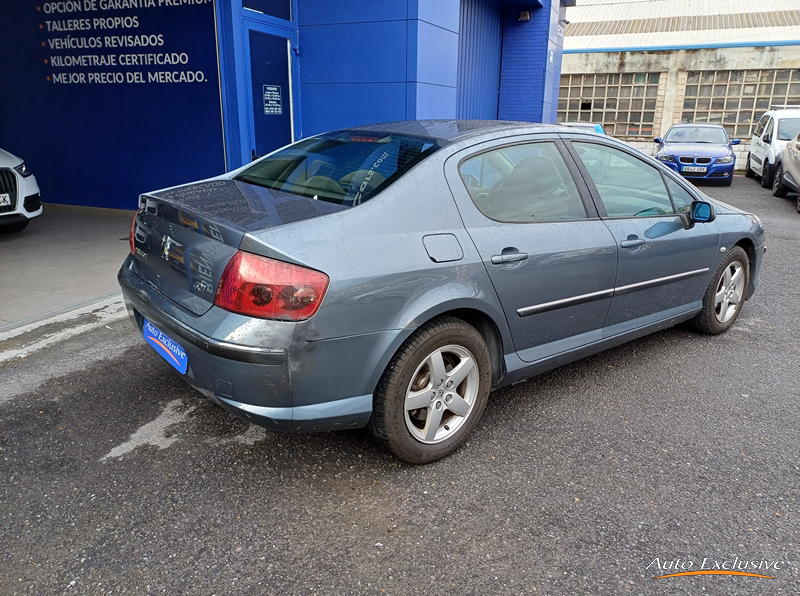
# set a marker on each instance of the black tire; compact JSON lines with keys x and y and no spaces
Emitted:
{"x":404,"y":432}
{"x":779,"y":189}
{"x":716,"y":318}
{"x":748,"y":171}
{"x":798,"y":203}
{"x":766,"y":174}
{"x":13,"y":228}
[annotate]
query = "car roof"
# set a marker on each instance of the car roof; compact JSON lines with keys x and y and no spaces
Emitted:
{"x":790,"y":112}
{"x":699,"y":124}
{"x":450,"y":131}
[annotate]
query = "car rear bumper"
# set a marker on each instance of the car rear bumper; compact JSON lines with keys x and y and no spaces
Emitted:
{"x":291,"y":385}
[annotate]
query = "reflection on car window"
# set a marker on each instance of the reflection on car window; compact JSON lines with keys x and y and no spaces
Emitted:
{"x":787,"y":128}
{"x":527,"y":183}
{"x":341,"y":167}
{"x":696,"y":134}
{"x":680,"y":196}
{"x":627,"y":186}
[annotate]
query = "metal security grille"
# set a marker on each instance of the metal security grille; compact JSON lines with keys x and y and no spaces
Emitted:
{"x":624,"y":103}
{"x":8,"y":185}
{"x":737,"y":98}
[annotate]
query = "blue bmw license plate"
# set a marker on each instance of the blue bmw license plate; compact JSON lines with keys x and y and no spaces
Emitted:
{"x":168,"y":348}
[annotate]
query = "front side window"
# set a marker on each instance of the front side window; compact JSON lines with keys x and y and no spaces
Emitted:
{"x":768,"y":128}
{"x":529,"y":183}
{"x":627,"y":186}
{"x":680,"y":196}
{"x":347,"y":167}
{"x":760,"y":127}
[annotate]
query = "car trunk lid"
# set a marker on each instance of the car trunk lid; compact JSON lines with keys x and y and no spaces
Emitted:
{"x":184,"y":236}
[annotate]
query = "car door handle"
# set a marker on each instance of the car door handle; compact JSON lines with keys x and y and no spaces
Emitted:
{"x":511,"y":257}
{"x":631,"y":242}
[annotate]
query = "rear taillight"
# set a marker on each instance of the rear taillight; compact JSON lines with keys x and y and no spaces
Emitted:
{"x":132,"y":235}
{"x":270,"y":289}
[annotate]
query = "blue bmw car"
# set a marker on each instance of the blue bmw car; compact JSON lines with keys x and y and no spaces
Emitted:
{"x":698,"y":152}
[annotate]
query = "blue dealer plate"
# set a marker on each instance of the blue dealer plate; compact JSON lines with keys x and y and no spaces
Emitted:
{"x":168,"y":348}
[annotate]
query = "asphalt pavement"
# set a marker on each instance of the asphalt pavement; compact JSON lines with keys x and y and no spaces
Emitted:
{"x":595,"y":478}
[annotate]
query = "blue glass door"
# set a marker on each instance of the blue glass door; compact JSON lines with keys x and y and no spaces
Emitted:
{"x":271,"y":110}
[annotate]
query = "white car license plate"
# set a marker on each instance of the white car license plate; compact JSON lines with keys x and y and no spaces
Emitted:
{"x":168,"y":348}
{"x":694,"y":169}
{"x":5,"y":199}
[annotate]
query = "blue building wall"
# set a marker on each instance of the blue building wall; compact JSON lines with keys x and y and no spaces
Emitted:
{"x":353,"y":62}
{"x":531,"y":64}
{"x":480,"y":47}
{"x":363,"y":62}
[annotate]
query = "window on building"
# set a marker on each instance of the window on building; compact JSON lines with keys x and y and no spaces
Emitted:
{"x":737,"y":98}
{"x":624,"y":103}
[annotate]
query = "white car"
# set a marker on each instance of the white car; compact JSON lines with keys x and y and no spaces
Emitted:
{"x":19,"y":194}
{"x":775,"y":128}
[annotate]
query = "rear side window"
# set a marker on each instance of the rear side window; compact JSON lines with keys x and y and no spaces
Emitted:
{"x":787,"y":128}
{"x":628,"y":187}
{"x":346,"y":168}
{"x":522,"y":184}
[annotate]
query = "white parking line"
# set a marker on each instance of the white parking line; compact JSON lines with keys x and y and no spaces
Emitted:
{"x":99,"y":314}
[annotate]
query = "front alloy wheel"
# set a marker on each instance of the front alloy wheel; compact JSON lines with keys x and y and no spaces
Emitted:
{"x":730,"y":292}
{"x":748,"y":169}
{"x":766,"y":178}
{"x":725,"y":295}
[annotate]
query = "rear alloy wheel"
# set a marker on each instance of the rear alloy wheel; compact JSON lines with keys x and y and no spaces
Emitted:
{"x":779,"y":189}
{"x":433,"y":392}
{"x":766,"y":178}
{"x":724,"y":297}
{"x":748,"y":171}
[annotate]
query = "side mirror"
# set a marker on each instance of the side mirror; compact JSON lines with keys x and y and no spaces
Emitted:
{"x":702,"y":212}
{"x":766,"y":139}
{"x":657,"y":140}
{"x":735,"y":141}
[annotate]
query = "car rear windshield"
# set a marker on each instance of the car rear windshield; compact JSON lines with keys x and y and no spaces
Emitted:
{"x":346,"y":168}
{"x":787,"y":128}
{"x":698,"y":134}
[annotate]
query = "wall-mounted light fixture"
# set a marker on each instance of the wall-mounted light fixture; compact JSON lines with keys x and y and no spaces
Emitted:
{"x":525,"y":16}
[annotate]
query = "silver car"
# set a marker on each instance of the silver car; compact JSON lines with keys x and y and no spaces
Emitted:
{"x":393,"y":275}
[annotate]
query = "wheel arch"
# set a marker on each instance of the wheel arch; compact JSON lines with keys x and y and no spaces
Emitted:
{"x":486,"y":326}
{"x":747,"y":245}
{"x":480,"y":312}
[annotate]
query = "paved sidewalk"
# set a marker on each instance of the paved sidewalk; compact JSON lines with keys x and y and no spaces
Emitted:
{"x":67,"y":257}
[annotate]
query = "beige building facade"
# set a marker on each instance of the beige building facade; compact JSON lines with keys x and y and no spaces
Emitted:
{"x":639,"y":75}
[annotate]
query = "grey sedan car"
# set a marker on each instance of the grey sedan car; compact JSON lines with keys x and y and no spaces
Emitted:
{"x":392,"y":276}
